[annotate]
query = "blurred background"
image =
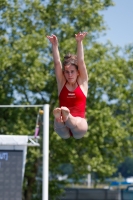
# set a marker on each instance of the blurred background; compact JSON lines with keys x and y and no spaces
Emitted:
{"x":103,"y":158}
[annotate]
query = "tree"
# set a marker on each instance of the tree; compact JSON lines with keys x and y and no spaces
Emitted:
{"x":126,"y":168}
{"x":27,"y":77}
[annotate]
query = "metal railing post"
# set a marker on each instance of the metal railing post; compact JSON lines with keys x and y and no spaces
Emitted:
{"x":45,"y":181}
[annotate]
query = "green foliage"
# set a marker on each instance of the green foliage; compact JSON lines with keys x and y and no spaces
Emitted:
{"x":27,"y":77}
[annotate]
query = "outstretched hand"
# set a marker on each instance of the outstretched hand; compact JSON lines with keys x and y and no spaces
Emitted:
{"x":80,"y":36}
{"x":53,"y":39}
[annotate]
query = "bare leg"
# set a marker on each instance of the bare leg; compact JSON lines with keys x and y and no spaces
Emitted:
{"x":59,"y":125}
{"x":77,"y":125}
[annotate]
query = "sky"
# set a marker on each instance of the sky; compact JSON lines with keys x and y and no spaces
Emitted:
{"x":119,"y":19}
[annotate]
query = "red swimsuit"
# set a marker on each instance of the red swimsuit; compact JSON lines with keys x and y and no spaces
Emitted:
{"x":75,"y":101}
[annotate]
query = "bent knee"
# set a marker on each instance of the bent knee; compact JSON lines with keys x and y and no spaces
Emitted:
{"x":79,"y":135}
{"x":64,"y":136}
{"x":62,"y":132}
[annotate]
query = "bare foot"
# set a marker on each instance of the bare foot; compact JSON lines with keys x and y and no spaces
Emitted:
{"x":65,"y":113}
{"x":57,"y":114}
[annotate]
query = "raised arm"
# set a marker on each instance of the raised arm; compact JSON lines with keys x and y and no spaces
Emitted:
{"x":80,"y":56}
{"x":56,"y":58}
